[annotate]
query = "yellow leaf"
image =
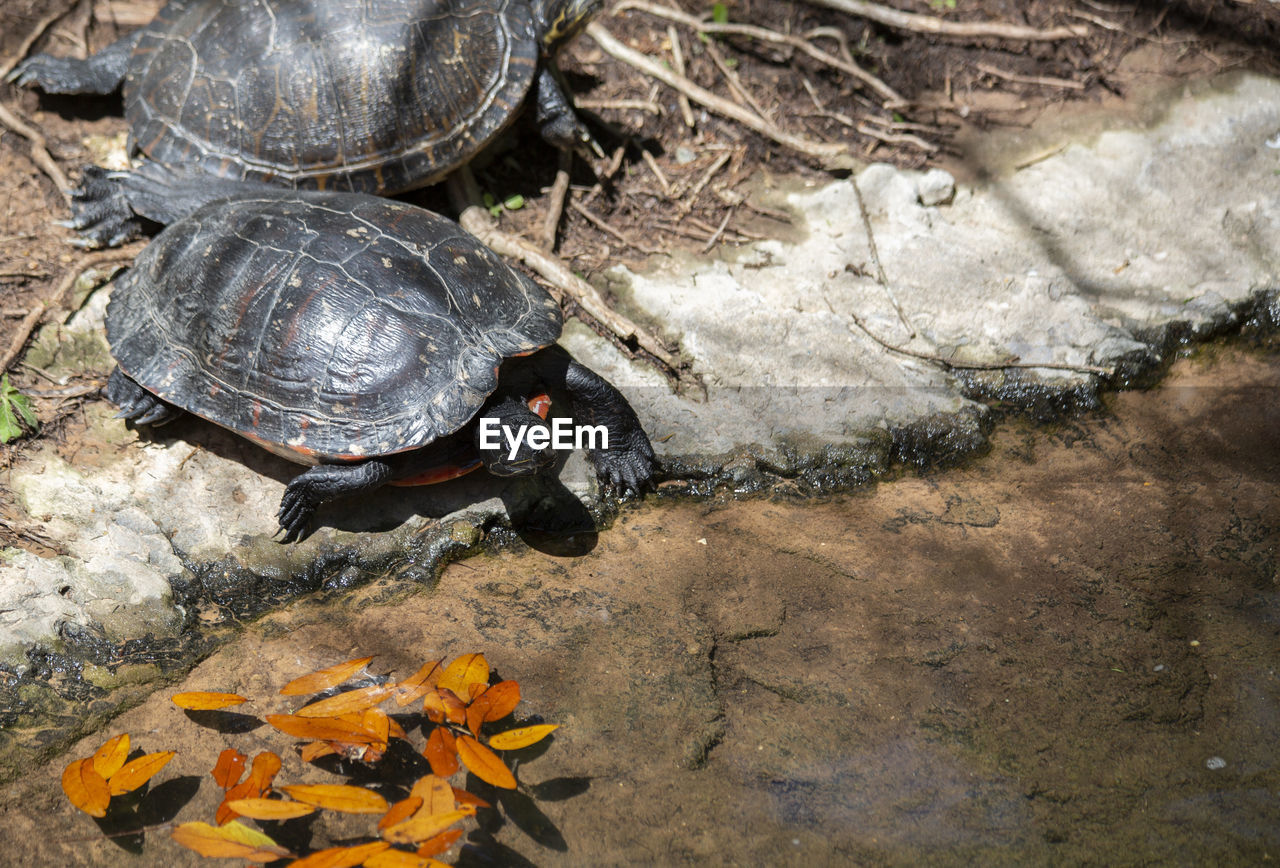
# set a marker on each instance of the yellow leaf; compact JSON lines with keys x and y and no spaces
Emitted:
{"x":203,"y":701}
{"x":441,"y":752}
{"x":85,"y":788}
{"x":400,"y":811}
{"x":436,"y":794}
{"x":514,"y":739}
{"x":229,"y":768}
{"x":467,"y":669}
{"x":232,"y":841}
{"x":323,"y":679}
{"x":108,"y":759}
{"x":484,"y":763}
{"x":321,"y":729}
{"x":346,"y":703}
{"x":269,"y":809}
{"x":339,"y":797}
{"x":422,"y":826}
{"x":137,"y":772}
{"x":342,"y":857}
{"x":401,"y":859}
{"x":417,"y":684}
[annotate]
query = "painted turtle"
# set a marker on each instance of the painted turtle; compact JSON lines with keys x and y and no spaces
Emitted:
{"x":379,"y":97}
{"x":366,"y":336}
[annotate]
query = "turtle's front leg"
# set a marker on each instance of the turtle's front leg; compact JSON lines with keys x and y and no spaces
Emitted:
{"x":323,"y":483}
{"x":101,"y":73}
{"x":557,"y":121}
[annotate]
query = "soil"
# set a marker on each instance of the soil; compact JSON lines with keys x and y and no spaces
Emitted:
{"x":955,"y":91}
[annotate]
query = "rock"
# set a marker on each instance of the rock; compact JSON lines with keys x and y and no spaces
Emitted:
{"x":936,"y":187}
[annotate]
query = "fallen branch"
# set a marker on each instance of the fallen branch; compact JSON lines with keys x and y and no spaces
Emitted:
{"x":39,"y":153}
{"x":37,"y":313}
{"x":555,"y":200}
{"x":833,"y":155}
{"x":764,"y":34}
{"x":477,"y":220}
{"x":36,"y":32}
{"x":938,"y":27}
{"x":1042,"y":80}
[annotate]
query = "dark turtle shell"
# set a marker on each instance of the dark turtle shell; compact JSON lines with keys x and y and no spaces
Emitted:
{"x":375,"y":96}
{"x":325,"y":326}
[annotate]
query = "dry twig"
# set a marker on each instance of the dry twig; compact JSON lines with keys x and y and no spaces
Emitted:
{"x":604,"y":226}
{"x":36,"y":32}
{"x":555,"y":201}
{"x":957,"y":29}
{"x":1043,"y":80}
{"x":677,"y":62}
{"x":39,"y":153}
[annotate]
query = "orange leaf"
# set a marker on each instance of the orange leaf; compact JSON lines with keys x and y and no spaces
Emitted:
{"x":137,"y":772}
{"x":401,"y":859}
{"x":465,"y":798}
{"x":323,"y":679}
{"x":321,"y":729}
{"x":422,"y":826}
{"x":484,"y":763}
{"x":202,"y":701}
{"x":514,"y":739}
{"x":232,"y":841}
{"x":400,"y":811}
{"x":342,"y":857}
{"x":503,"y":698}
{"x":316,"y":749}
{"x":441,"y":752}
{"x":85,"y":788}
{"x":467,"y":669}
{"x":108,"y":759}
{"x":436,"y":794}
{"x":376,"y":721}
{"x":394,"y":729}
{"x":269,"y":809}
{"x":339,"y":797}
{"x":229,"y":768}
{"x":346,"y":703}
{"x":437,"y":845}
{"x":417,"y":684}
{"x":475,"y":715}
{"x":455,"y":710}
{"x":265,"y":766}
{"x":243,"y":790}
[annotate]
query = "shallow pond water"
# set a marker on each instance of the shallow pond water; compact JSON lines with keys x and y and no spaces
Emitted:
{"x":1065,"y":653}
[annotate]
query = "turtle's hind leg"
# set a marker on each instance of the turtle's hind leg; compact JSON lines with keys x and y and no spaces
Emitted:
{"x":136,"y":404}
{"x":102,"y":73}
{"x":323,"y":483}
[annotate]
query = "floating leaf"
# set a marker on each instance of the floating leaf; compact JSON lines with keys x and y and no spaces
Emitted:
{"x":269,"y":809}
{"x":108,"y":759}
{"x":441,"y":752}
{"x":15,"y":412}
{"x":243,"y":790}
{"x":501,"y":699}
{"x":204,"y":701}
{"x":484,"y":763}
{"x":86,"y":788}
{"x":345,"y":703}
{"x":342,"y":857}
{"x":135,"y":773}
{"x":232,"y":841}
{"x":438,"y":844}
{"x":394,"y":729}
{"x":422,"y":826}
{"x":316,"y":749}
{"x":339,"y":797}
{"x":467,"y":669}
{"x":465,"y":798}
{"x":323,"y":679}
{"x":265,"y":767}
{"x":514,"y":739}
{"x":230,"y":767}
{"x":321,"y":729}
{"x":436,"y":794}
{"x":401,"y":859}
{"x":400,"y":811}
{"x":416,"y":685}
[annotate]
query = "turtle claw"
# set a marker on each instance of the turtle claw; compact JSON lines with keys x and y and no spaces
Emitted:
{"x":629,"y":468}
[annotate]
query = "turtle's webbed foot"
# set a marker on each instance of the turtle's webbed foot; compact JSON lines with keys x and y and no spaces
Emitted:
{"x":320,"y":484}
{"x":296,"y":508}
{"x":100,"y":211}
{"x":136,"y":404}
{"x":50,"y":74}
{"x":569,"y":133}
{"x":627,"y":467}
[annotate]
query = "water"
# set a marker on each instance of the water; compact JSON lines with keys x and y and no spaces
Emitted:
{"x":1064,"y":653}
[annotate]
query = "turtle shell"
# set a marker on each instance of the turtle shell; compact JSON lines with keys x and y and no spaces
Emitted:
{"x":377,"y":96}
{"x":324,"y":326}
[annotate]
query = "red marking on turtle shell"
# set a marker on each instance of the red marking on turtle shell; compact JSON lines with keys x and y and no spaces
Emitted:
{"x":257,"y":412}
{"x":540,"y":404}
{"x":439,"y":474}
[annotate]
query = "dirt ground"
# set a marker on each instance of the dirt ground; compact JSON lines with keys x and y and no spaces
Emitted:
{"x":952,"y":90}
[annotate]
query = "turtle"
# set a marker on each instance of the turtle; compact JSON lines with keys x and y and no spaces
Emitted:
{"x":381,"y":97}
{"x":370,"y":338}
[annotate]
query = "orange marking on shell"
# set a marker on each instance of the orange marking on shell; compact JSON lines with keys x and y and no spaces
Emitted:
{"x":439,"y":474}
{"x":540,"y":404}
{"x":257,"y":412}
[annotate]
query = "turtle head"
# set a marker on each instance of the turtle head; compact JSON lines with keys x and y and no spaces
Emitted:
{"x":510,"y":424}
{"x":558,"y":21}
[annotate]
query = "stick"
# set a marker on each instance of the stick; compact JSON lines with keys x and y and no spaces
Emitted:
{"x":677,"y":61}
{"x":938,"y":27}
{"x":36,"y":32}
{"x":1044,"y":80}
{"x":555,"y":207}
{"x":39,"y":154}
{"x":477,"y":220}
{"x":836,"y":154}
{"x":601,"y":224}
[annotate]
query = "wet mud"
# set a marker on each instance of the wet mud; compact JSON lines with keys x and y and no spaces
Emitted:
{"x":1063,"y":653}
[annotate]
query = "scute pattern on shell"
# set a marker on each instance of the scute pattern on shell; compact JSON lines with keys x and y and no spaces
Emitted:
{"x":331,"y":325}
{"x":375,"y":96}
